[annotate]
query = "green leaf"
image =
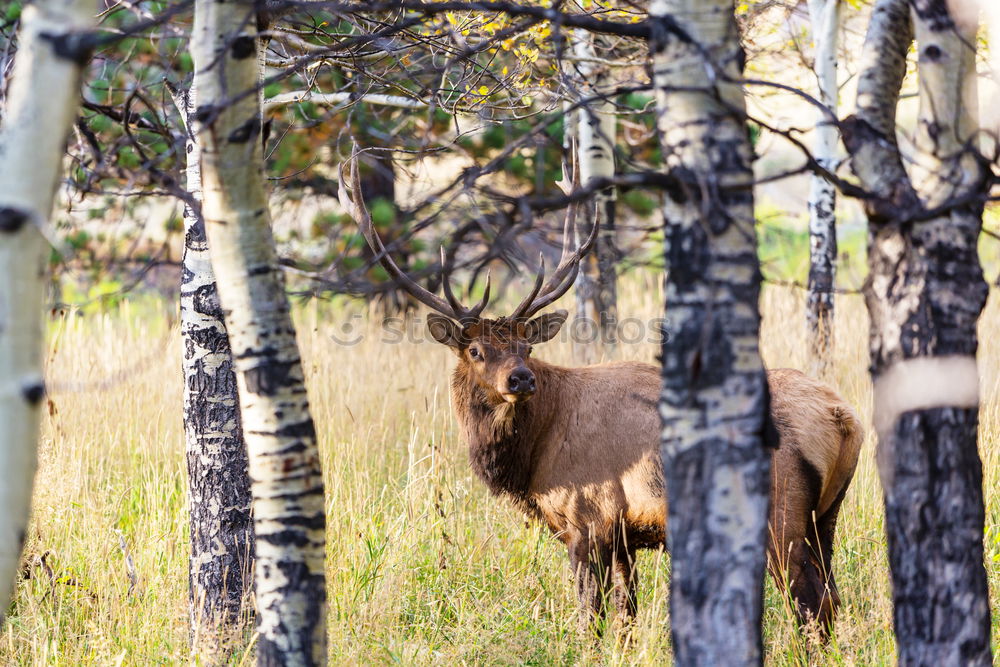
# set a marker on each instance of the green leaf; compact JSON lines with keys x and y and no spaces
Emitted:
{"x":383,"y":212}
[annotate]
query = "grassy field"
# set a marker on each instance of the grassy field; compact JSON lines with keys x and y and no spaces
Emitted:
{"x":423,"y":566}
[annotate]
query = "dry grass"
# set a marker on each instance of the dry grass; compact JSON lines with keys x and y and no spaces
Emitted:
{"x":424,"y":567}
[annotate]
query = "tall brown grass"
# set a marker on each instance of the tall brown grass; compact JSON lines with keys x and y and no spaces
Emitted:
{"x":424,"y":567}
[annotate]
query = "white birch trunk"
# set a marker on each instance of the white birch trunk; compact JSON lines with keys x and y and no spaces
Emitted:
{"x":42,"y":103}
{"x":286,"y":479}
{"x":714,"y":403}
{"x":825,"y":18}
{"x":595,"y":129}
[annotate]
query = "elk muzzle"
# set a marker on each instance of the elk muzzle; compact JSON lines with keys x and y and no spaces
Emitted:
{"x":520,"y":385}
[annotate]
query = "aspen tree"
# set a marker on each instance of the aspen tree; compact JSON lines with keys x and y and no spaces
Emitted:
{"x":715,"y":397}
{"x":924,"y":294}
{"x":41,"y":105}
{"x":824,"y":16}
{"x":286,"y":480}
{"x":220,"y":576}
{"x":595,"y":129}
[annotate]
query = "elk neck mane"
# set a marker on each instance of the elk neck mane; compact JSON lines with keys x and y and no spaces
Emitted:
{"x":504,"y":439}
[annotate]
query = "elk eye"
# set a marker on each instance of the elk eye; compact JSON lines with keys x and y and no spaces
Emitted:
{"x":474,"y":353}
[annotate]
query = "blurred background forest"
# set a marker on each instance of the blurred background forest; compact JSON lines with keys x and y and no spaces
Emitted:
{"x":450,"y":148}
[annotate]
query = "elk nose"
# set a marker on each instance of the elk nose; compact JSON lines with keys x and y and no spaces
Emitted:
{"x":521,"y":381}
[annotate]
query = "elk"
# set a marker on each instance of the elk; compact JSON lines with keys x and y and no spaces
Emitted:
{"x":579,"y":448}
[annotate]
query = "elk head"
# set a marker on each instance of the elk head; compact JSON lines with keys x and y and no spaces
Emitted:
{"x":494,"y":352}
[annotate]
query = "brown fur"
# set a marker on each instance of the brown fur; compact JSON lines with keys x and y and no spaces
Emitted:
{"x":583,"y":455}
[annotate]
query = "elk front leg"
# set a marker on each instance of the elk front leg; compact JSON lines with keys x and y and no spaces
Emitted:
{"x":591,"y":570}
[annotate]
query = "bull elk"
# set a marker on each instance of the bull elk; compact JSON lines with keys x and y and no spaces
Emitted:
{"x":579,"y":448}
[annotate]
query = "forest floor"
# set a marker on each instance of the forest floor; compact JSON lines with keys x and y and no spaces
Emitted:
{"x":424,"y":567}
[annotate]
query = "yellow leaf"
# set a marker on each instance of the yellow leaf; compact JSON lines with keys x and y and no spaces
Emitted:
{"x":484,"y":90}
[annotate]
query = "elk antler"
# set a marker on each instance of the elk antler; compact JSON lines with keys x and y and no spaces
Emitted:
{"x":452,"y":307}
{"x":569,"y":264}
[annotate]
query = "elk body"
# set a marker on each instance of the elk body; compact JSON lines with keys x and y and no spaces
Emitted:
{"x":579,"y":448}
{"x":583,"y":456}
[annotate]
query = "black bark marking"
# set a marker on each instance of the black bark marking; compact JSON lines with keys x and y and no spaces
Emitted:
{"x":295,"y":530}
{"x":34,"y":393}
{"x":245,"y":132}
{"x":661,"y":29}
{"x":294,"y":448}
{"x":933,"y":130}
{"x":314,"y":522}
{"x":934,"y":13}
{"x":266,"y":351}
{"x":303,"y":429}
{"x":933,"y":53}
{"x":74,"y":47}
{"x":265,"y":134}
{"x":206,"y":301}
{"x":270,"y":376}
{"x":12,"y":219}
{"x":244,"y":46}
{"x":204,"y":112}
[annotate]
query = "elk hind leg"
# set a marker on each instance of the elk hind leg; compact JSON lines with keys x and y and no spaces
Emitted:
{"x":624,"y":577}
{"x":826,"y":528}
{"x":797,"y":571}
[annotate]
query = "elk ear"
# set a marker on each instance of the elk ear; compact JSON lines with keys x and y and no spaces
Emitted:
{"x":445,"y":331}
{"x":545,"y":327}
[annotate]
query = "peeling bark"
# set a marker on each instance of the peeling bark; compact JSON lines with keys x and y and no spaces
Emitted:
{"x":825,"y":18}
{"x":924,"y":294}
{"x":715,"y":399}
{"x":41,"y":105}
{"x":220,"y":577}
{"x":286,"y":480}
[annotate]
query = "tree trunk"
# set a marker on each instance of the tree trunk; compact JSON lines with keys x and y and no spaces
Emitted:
{"x":41,"y":105}
{"x":825,"y":18}
{"x":596,"y":127}
{"x":222,"y":550}
{"x":924,"y":295}
{"x":715,"y":403}
{"x":991,"y":16}
{"x":583,"y":334}
{"x":286,"y":479}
